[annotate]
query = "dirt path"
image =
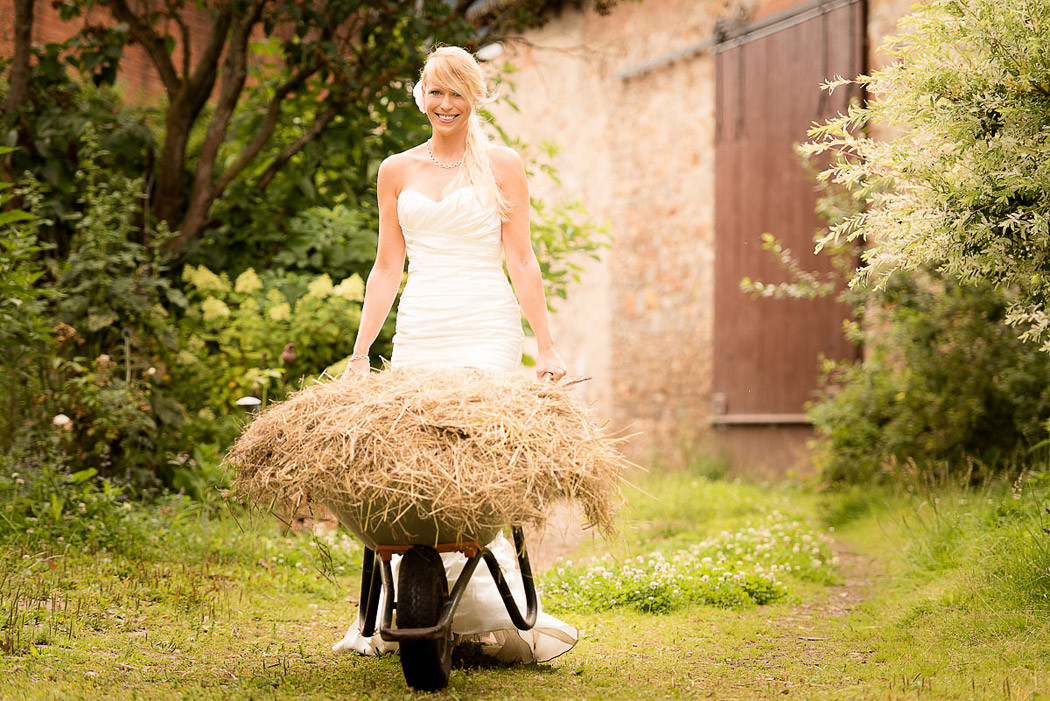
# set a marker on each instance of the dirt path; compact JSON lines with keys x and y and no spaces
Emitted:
{"x":858,"y":574}
{"x":778,"y":650}
{"x":805,"y":641}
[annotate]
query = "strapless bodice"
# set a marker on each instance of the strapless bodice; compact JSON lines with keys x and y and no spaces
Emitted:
{"x":457,"y":308}
{"x":453,"y":240}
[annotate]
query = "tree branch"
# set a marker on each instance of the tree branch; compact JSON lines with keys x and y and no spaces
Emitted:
{"x":202,"y":80}
{"x":266,"y":129}
{"x":152,"y":42}
{"x":333,"y":108}
{"x":175,"y":12}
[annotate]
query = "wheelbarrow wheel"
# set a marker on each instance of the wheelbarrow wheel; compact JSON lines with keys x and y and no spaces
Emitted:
{"x":422,"y":590}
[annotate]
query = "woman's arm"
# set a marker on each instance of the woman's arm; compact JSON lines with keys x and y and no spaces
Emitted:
{"x":522,"y":266}
{"x":385,"y":277}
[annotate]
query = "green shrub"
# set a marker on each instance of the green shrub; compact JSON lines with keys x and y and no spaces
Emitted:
{"x":26,"y":337}
{"x":945,"y":386}
{"x":43,"y":502}
{"x":233,"y":334}
{"x":111,"y":307}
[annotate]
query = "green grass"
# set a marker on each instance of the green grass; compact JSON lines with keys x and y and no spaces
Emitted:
{"x":939,"y":595}
{"x":961,"y":608}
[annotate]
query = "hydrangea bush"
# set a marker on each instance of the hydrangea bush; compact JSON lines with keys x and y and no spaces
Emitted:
{"x":234,"y":332}
{"x":742,"y":567}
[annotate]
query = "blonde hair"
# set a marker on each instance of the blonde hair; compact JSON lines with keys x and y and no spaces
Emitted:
{"x":454,"y":69}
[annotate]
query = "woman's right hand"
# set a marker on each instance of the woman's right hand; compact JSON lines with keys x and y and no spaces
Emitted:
{"x":358,"y":367}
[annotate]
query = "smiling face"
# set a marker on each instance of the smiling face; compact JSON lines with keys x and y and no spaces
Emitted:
{"x":447,"y":110}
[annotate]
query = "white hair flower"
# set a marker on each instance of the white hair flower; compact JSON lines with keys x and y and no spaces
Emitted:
{"x":417,"y":92}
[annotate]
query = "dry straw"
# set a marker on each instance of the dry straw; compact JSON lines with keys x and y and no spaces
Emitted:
{"x":464,"y":447}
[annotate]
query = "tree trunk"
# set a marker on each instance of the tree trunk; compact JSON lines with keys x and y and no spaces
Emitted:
{"x":18,"y":81}
{"x":19,"y":75}
{"x":167,"y":198}
{"x":234,"y":72}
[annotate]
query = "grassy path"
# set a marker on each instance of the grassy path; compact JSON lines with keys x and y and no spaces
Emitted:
{"x":705,"y":652}
{"x":223,"y":614}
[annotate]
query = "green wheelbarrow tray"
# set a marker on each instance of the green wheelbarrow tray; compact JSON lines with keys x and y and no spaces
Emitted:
{"x":413,"y":527}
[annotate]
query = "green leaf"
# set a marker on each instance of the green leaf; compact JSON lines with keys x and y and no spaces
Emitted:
{"x":82,"y":475}
{"x":14,"y":216}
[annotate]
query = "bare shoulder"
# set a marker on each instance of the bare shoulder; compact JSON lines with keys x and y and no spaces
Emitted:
{"x":506,"y":163}
{"x":394,"y":166}
{"x":504,"y":157}
{"x":396,"y":169}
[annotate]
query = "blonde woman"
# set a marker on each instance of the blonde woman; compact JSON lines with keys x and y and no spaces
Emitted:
{"x":456,"y":205}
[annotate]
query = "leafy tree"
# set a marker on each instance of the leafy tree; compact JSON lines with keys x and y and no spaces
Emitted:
{"x":963,"y":181}
{"x":328,"y":63}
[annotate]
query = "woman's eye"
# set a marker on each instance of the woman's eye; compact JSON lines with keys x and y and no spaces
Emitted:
{"x":435,"y":92}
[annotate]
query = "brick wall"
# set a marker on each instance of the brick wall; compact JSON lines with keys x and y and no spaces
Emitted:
{"x":137,"y":77}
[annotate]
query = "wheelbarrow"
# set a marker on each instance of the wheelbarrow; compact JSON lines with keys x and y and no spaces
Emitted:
{"x":424,"y":604}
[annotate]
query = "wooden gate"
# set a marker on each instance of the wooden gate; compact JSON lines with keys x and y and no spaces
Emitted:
{"x":766,"y":352}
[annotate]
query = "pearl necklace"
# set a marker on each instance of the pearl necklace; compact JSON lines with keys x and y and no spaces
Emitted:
{"x":438,"y":163}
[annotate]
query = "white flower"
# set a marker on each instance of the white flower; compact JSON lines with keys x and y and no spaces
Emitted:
{"x":280,"y":312}
{"x":417,"y":93}
{"x":63,"y":421}
{"x":214,"y":309}
{"x":352,"y":288}
{"x":248,"y":282}
{"x":320,"y":287}
{"x":205,"y":280}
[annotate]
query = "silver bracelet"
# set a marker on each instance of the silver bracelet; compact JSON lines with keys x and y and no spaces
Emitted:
{"x":359,"y":356}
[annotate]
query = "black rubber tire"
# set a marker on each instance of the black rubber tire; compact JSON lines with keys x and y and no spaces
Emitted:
{"x":422,"y":590}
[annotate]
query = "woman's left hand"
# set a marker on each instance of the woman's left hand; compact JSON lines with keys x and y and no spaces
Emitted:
{"x":549,"y":361}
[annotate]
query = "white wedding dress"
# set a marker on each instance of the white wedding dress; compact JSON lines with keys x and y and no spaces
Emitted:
{"x":458,"y":310}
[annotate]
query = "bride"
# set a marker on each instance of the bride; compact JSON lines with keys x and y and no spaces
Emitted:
{"x":456,"y":204}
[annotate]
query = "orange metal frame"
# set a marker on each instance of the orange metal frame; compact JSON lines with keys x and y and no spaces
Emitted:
{"x":469,"y":548}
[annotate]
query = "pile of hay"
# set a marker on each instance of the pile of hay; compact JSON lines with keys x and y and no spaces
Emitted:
{"x":465,"y":447}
